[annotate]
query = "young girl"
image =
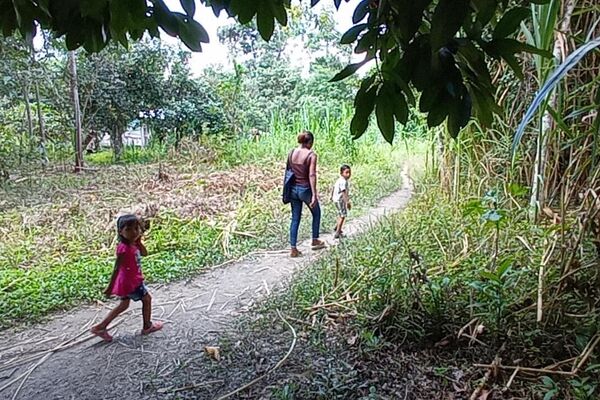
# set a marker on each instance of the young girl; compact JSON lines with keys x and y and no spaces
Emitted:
{"x":127,"y":280}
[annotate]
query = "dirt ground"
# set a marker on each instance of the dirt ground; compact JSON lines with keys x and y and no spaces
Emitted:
{"x":59,"y":359}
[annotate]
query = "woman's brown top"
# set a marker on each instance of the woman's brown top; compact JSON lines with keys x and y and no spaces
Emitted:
{"x":300,"y":165}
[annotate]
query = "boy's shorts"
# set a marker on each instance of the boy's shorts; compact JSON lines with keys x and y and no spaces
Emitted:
{"x":342,"y":209}
{"x":137,"y":294}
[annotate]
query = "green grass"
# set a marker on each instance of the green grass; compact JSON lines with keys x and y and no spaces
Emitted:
{"x":59,"y":226}
{"x":421,"y":275}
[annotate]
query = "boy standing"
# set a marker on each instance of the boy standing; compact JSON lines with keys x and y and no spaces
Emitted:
{"x":341,"y":198}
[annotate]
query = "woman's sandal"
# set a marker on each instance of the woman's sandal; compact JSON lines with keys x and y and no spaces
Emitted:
{"x":317,"y":244}
{"x":156,"y":326}
{"x":102,"y":333}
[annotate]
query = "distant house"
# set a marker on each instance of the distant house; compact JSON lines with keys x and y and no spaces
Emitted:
{"x":137,"y":134}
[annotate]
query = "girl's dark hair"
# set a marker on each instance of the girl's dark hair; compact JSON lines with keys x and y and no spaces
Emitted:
{"x":125,"y":221}
{"x":306,"y":137}
{"x":344,"y":167}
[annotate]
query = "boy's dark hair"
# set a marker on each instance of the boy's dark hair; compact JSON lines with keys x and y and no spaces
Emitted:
{"x":344,"y":167}
{"x":125,"y":221}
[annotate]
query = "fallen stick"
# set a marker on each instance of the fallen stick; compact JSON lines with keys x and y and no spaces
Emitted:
{"x":527,"y":369}
{"x":587,"y":352}
{"x":512,"y":378}
{"x":32,"y":341}
{"x":335,"y":303}
{"x":491,"y":368}
{"x":279,"y":364}
{"x":174,"y":309}
{"x":212,"y":300}
{"x":474,"y":339}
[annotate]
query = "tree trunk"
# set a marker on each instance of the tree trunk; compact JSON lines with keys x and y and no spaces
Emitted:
{"x":42,"y":143}
{"x":75,"y":97}
{"x":29,"y":118}
{"x":116,"y":137}
{"x":559,"y":50}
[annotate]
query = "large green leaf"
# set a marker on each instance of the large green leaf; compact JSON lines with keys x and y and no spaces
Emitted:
{"x":352,"y":34}
{"x":192,"y":33}
{"x":459,"y":113}
{"x":485,"y":10}
{"x":447,"y":20}
{"x":189,"y":6}
{"x":244,"y":10}
{"x":349,"y":70}
{"x":265,"y":20}
{"x":278,"y":9}
{"x":361,"y":11}
{"x":400,"y":106}
{"x":94,"y":8}
{"x":364,"y":104}
{"x":510,"y":22}
{"x":384,"y":111}
{"x":165,"y":19}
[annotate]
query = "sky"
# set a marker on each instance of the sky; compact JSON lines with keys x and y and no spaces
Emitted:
{"x":216,"y":53}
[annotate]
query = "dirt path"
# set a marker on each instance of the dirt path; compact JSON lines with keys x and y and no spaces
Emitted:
{"x":195,"y":312}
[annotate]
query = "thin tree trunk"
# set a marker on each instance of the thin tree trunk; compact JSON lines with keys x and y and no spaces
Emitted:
{"x":116,"y":137}
{"x":28,"y":113}
{"x":75,"y":96}
{"x":539,"y":186}
{"x":42,"y":143}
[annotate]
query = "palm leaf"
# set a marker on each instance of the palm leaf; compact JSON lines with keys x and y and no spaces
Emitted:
{"x":550,"y":84}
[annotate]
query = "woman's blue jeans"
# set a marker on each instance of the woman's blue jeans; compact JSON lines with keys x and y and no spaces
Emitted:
{"x":303,"y":195}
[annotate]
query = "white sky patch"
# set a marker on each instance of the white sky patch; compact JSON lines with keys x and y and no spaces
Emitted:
{"x":215,"y":53}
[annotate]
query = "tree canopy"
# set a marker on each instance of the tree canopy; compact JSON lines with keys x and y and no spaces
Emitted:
{"x":437,"y":48}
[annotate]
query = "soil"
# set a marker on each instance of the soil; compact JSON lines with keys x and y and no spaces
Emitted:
{"x":59,"y":359}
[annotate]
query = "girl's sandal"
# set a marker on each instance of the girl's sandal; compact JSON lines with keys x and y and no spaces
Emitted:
{"x":156,"y":326}
{"x":102,"y":333}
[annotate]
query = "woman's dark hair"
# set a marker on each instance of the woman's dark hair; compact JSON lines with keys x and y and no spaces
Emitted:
{"x":344,"y":167}
{"x":125,"y":221}
{"x":306,"y":137}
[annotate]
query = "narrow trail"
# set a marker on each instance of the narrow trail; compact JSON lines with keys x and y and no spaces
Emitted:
{"x":59,"y":359}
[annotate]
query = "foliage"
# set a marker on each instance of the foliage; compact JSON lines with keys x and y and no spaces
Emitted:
{"x":551,"y":83}
{"x":267,"y":79}
{"x":426,"y":276}
{"x":438,"y":48}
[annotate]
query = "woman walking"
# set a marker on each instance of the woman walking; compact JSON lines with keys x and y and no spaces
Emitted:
{"x":303,"y":163}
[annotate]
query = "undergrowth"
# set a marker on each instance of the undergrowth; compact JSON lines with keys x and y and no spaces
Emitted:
{"x":446,"y":275}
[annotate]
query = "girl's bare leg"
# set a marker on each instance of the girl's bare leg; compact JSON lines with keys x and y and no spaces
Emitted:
{"x":147,"y":310}
{"x":114,"y":313}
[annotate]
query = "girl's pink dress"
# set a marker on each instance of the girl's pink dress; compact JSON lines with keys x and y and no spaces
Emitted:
{"x":129,"y":276}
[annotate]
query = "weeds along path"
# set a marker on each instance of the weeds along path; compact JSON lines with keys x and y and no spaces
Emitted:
{"x":59,"y":359}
